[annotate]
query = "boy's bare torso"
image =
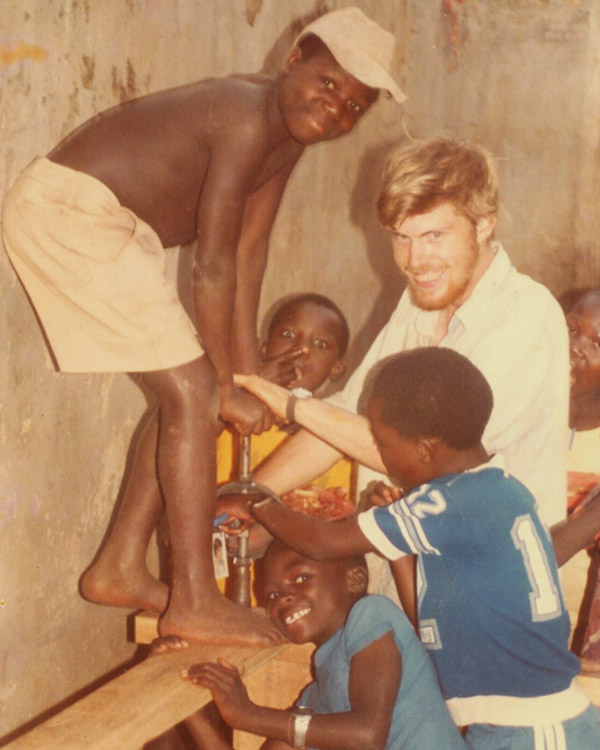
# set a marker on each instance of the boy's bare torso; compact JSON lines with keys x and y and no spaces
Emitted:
{"x":155,"y":152}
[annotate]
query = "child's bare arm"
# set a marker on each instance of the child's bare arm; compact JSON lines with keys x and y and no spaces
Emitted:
{"x":375,"y":675}
{"x":259,"y":216}
{"x":238,"y":155}
{"x":313,"y":537}
{"x":578,"y":530}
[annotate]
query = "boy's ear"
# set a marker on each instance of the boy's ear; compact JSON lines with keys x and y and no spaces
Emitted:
{"x":262,"y":350}
{"x":357,"y":579}
{"x":427,"y":449}
{"x":337,"y":371}
{"x":292,"y":59}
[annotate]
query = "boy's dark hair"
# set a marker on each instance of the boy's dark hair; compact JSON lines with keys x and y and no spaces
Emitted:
{"x":315,"y":299}
{"x":434,"y":392}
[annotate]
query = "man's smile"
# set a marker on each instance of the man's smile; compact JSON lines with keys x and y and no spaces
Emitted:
{"x":426,"y":279}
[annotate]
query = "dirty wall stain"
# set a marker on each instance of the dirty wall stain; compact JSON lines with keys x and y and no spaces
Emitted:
{"x":252,"y":9}
{"x":10,"y":54}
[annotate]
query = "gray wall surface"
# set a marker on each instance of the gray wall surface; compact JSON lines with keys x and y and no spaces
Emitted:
{"x":521,"y":76}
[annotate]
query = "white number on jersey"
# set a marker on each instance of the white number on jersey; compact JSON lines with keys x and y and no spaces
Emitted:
{"x":544,"y":597}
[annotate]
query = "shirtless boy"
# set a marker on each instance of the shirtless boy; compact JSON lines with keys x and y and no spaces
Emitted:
{"x":86,"y":230}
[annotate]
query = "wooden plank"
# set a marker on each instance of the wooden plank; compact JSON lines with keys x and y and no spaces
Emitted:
{"x":139,"y":705}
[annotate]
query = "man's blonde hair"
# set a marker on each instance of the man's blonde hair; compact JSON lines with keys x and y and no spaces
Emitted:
{"x":421,"y":175}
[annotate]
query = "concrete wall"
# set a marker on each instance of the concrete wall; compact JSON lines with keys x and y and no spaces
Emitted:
{"x":521,"y":75}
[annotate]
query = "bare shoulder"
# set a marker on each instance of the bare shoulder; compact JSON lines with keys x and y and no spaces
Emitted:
{"x":236,"y":118}
{"x":236,"y":107}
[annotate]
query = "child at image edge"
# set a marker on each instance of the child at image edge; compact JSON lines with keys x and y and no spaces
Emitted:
{"x":491,"y":612}
{"x":583,"y":463}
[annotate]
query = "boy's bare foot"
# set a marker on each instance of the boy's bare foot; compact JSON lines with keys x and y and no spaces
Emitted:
{"x":222,"y":623}
{"x":119,"y":587}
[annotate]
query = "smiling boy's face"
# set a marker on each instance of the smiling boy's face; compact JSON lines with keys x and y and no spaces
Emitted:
{"x":308,"y":600}
{"x":318,"y":99}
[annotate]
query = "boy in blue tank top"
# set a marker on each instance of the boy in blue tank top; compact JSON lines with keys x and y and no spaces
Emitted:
{"x":491,"y":612}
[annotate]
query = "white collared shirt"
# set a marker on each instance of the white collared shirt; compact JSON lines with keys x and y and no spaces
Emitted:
{"x":514,"y":331}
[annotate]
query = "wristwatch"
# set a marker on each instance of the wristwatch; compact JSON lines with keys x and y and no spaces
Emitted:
{"x":295,"y":394}
{"x":302,"y":718}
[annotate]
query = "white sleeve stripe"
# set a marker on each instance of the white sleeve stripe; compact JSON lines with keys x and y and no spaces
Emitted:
{"x":370,"y":528}
{"x":412,"y":530}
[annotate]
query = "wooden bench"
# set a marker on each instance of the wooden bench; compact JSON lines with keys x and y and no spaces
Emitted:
{"x":151,"y":697}
{"x":277,"y":683}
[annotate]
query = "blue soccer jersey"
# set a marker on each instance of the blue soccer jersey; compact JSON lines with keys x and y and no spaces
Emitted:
{"x":491,"y":612}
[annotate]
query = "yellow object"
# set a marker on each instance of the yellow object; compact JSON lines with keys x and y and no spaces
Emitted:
{"x":340,"y":474}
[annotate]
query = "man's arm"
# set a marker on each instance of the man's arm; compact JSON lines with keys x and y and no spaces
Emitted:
{"x":259,"y":216}
{"x":344,"y":432}
{"x":298,"y":460}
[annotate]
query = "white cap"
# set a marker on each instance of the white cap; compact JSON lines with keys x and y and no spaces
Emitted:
{"x":359,"y":45}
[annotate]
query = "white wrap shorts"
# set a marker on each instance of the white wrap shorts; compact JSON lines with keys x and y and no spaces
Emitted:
{"x":95,"y":274}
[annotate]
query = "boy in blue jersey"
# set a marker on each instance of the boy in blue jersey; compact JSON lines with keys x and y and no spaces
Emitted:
{"x":491,"y":612}
{"x":375,"y":686}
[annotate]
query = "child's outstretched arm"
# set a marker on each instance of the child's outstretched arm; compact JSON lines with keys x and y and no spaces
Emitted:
{"x":578,"y":530}
{"x":310,"y":536}
{"x":375,"y":675}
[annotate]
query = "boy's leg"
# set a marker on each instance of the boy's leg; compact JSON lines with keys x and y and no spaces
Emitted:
{"x":118,"y":576}
{"x":208,"y":729}
{"x":187,"y":433}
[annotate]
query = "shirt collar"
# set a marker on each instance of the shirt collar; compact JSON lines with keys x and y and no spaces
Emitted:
{"x":492,"y":279}
{"x":496,"y":461}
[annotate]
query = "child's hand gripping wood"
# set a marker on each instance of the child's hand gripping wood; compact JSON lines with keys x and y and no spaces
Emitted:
{"x":228,"y":691}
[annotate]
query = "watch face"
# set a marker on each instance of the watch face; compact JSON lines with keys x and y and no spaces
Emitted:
{"x":299,"y":392}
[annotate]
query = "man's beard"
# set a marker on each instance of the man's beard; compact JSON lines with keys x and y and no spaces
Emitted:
{"x":456,"y":288}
